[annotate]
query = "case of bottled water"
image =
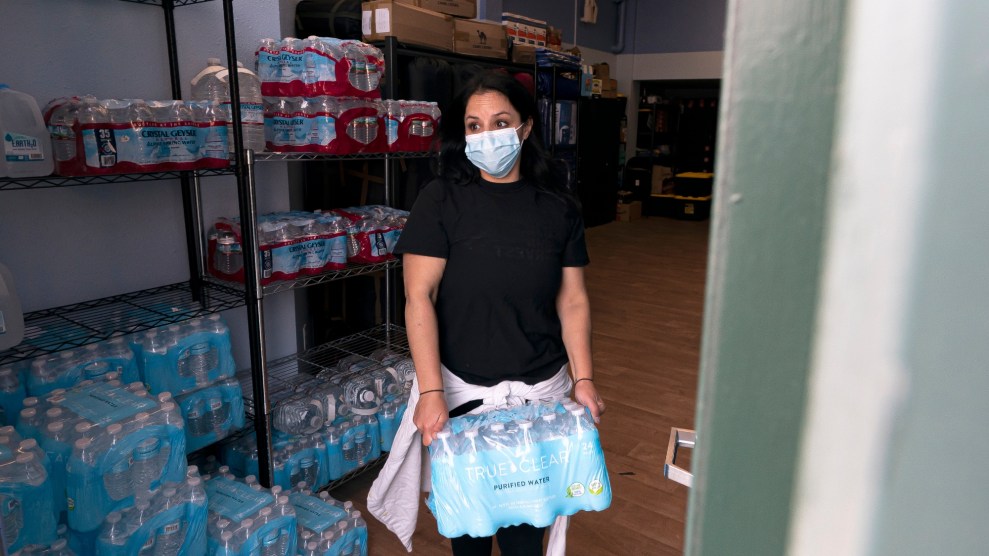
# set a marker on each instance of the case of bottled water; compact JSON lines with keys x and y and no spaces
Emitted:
{"x":318,"y":66}
{"x":361,"y":126}
{"x":526,"y":464}
{"x":112,"y":359}
{"x":183,"y":357}
{"x":327,"y":527}
{"x":372,"y":232}
{"x":134,"y":135}
{"x":298,"y":459}
{"x":211,"y":413}
{"x":27,"y":513}
{"x":12,"y":392}
{"x":171,"y":521}
{"x":248,"y":520}
{"x":136,"y":445}
{"x":292,"y":244}
{"x":411,"y":125}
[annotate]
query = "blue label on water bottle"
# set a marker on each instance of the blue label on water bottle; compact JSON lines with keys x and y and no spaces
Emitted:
{"x":22,"y":148}
{"x":104,"y":404}
{"x":314,"y":514}
{"x":268,"y":65}
{"x":235,"y":500}
{"x":99,"y":146}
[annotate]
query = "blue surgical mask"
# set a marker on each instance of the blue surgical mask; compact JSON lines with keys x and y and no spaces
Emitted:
{"x":494,"y":152}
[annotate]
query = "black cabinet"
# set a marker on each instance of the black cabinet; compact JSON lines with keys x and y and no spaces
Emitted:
{"x":599,"y":151}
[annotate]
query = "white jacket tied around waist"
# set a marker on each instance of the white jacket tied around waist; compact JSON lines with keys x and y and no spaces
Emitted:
{"x":394,"y":497}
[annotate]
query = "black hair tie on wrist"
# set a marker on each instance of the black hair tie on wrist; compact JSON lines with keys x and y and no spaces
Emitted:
{"x":580,"y":379}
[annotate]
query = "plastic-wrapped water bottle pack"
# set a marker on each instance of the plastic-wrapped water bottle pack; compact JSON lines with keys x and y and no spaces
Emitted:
{"x":170,"y":521}
{"x":27,"y":512}
{"x":211,"y":413}
{"x":525,"y":464}
{"x":100,"y":361}
{"x":317,"y":66}
{"x":110,"y":442}
{"x":184,"y":357}
{"x":326,"y":526}
{"x":245,"y":519}
{"x":12,"y":392}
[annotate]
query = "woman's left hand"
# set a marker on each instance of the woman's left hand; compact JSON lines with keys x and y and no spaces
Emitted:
{"x":586,"y":394}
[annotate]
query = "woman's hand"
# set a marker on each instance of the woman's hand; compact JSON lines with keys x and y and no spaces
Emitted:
{"x":586,"y":394}
{"x":430,"y":415}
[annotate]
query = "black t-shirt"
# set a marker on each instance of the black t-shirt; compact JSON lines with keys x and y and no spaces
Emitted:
{"x":505,"y":247}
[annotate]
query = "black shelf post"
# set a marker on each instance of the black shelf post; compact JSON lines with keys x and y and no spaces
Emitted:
{"x":247,"y":200}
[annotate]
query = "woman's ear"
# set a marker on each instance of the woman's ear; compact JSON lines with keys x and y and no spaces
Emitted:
{"x":527,"y":129}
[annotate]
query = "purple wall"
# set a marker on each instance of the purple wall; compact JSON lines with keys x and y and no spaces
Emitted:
{"x":652,"y":26}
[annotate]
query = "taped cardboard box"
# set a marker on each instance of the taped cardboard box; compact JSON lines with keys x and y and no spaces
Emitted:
{"x":456,"y":8}
{"x":523,"y":53}
{"x":602,"y":71}
{"x":411,"y":25}
{"x":480,"y":38}
{"x":628,"y":212}
{"x":524,"y":30}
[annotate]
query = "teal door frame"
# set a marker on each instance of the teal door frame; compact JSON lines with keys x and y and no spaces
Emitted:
{"x":845,"y":364}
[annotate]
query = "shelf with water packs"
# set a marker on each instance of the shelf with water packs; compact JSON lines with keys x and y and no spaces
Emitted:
{"x":286,"y":373}
{"x":61,"y":328}
{"x":162,"y":2}
{"x":352,"y":269}
{"x":61,"y":181}
{"x":301,"y":157}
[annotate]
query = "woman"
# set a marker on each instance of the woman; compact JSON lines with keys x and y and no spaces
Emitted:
{"x":493,"y":254}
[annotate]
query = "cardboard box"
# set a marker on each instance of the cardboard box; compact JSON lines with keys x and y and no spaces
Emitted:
{"x":662,"y":180}
{"x":609,"y":85}
{"x":524,"y":30}
{"x":456,"y":8}
{"x":602,"y":71}
{"x":480,"y":38}
{"x":628,"y":212}
{"x":380,"y":19}
{"x":523,"y":53}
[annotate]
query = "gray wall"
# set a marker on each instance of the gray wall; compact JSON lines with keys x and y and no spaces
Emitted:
{"x":74,"y":244}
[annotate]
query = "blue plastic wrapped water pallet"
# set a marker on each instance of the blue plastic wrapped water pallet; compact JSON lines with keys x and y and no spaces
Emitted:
{"x":26,"y":508}
{"x":136,"y":445}
{"x":526,"y":464}
{"x":247,"y":520}
{"x":183,"y":357}
{"x":211,"y":413}
{"x":328,"y":527}
{"x":171,"y":521}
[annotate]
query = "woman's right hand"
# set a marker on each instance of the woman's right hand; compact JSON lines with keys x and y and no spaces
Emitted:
{"x":431,"y":415}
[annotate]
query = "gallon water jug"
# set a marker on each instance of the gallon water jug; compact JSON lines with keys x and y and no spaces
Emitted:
{"x":213,"y":83}
{"x":27,"y":147}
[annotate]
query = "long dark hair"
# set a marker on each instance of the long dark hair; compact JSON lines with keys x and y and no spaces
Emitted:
{"x":537,"y":167}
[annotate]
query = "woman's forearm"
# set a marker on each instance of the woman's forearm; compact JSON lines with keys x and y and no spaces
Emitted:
{"x":423,"y":334}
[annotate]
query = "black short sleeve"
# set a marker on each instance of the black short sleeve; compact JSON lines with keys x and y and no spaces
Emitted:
{"x":575,"y":251}
{"x":425,"y":232}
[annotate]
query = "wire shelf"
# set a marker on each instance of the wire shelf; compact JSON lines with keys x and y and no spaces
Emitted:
{"x":175,"y":2}
{"x":72,"y":326}
{"x":352,"y":269}
{"x":59,"y":181}
{"x":278,"y":156}
{"x":287,"y":373}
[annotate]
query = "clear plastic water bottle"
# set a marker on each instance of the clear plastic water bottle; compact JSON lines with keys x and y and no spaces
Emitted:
{"x":197,"y":419}
{"x":117,"y":481}
{"x":147,"y":464}
{"x":220,"y":413}
{"x":229,"y":255}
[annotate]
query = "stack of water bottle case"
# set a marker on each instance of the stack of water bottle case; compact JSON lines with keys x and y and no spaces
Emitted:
{"x":97,"y":450}
{"x":317,"y":95}
{"x":297,"y":244}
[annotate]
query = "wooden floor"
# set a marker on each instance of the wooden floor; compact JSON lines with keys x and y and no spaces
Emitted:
{"x":646,"y":282}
